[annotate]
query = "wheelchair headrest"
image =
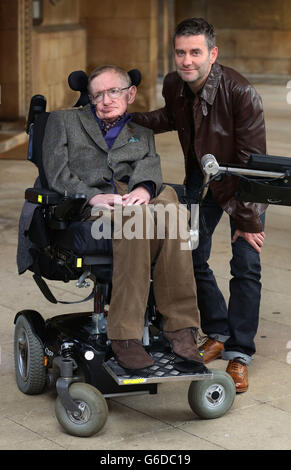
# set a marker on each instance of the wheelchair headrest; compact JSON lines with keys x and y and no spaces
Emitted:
{"x":78,"y":81}
{"x":37,"y":106}
{"x":135,"y":76}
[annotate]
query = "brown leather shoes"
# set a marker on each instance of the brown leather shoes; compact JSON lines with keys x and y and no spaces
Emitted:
{"x":131,"y":354}
{"x":211,"y":350}
{"x":239,"y":374}
{"x":184,"y":344}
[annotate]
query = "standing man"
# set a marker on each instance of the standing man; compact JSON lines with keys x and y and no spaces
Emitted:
{"x":215,"y":110}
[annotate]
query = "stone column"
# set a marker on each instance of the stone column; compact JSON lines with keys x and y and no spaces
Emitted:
{"x":15,"y":54}
{"x":24,"y":56}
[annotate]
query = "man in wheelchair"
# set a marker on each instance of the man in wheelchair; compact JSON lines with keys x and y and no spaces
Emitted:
{"x":98,"y":151}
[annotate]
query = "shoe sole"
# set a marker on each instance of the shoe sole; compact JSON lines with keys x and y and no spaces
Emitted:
{"x":191,"y":361}
{"x":241,"y":390}
{"x":212,"y":359}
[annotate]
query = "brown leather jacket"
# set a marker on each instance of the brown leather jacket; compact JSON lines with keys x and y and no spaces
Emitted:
{"x":229,"y":123}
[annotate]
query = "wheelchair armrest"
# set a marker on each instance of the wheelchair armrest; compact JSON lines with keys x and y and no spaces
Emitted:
{"x":70,"y":207}
{"x":61,"y":209}
{"x":42,"y":196}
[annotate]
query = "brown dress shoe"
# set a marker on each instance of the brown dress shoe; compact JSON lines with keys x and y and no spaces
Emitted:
{"x":239,"y":374}
{"x":211,"y":350}
{"x":184,"y":344}
{"x":131,"y":354}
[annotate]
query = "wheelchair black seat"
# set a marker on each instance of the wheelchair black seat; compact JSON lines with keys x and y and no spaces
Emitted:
{"x":78,"y":238}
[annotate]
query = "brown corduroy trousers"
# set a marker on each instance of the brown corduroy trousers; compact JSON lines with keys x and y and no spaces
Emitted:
{"x":173,"y":276}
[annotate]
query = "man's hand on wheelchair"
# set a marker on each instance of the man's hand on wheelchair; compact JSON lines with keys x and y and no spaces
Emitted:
{"x":106,"y":200}
{"x":256,"y":240}
{"x":139,"y":195}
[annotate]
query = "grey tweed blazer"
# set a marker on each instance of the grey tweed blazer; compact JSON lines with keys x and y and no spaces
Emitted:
{"x":77,"y":159}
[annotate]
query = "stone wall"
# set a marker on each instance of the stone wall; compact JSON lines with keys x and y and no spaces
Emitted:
{"x":38,"y":59}
{"x":62,"y":12}
{"x":124,"y":33}
{"x":9,"y":59}
{"x":57,"y":51}
{"x":58,"y":48}
{"x":253,"y":37}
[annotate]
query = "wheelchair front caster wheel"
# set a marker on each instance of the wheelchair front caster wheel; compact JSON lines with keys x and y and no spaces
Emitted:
{"x":28,"y":358}
{"x":93,"y":411}
{"x":212,"y":398}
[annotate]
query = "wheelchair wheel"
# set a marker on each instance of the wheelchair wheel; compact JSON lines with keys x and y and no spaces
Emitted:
{"x":28,"y":358}
{"x":93,"y":407}
{"x":212,"y":398}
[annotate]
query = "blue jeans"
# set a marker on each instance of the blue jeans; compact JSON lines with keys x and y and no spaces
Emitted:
{"x":235,"y":325}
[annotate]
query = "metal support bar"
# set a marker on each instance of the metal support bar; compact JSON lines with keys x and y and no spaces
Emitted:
{"x":212,"y":168}
{"x":194,"y":227}
{"x":99,"y":316}
{"x":62,"y":385}
{"x":82,"y":280}
{"x":248,"y":172}
{"x":99,"y":298}
{"x":66,"y":367}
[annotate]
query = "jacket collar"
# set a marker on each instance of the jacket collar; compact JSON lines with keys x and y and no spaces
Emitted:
{"x":91,"y":126}
{"x":210,"y":87}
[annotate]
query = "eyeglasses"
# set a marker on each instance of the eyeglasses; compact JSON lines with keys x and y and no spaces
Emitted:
{"x":113,"y":94}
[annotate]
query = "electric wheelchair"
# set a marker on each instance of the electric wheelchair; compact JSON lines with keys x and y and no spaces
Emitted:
{"x":71,"y":352}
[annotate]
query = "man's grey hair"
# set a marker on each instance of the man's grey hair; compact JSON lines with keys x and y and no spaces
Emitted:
{"x":108,"y":68}
{"x":195,"y":26}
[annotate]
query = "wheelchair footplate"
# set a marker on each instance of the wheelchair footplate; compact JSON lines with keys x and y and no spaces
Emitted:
{"x":167,"y":367}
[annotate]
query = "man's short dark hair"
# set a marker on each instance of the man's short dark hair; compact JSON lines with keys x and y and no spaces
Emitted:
{"x":195,"y":26}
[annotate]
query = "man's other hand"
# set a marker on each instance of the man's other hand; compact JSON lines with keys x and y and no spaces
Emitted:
{"x":256,"y":240}
{"x":139,"y":195}
{"x":106,"y":200}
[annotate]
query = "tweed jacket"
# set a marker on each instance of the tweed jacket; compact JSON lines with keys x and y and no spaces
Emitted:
{"x":77,"y":159}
